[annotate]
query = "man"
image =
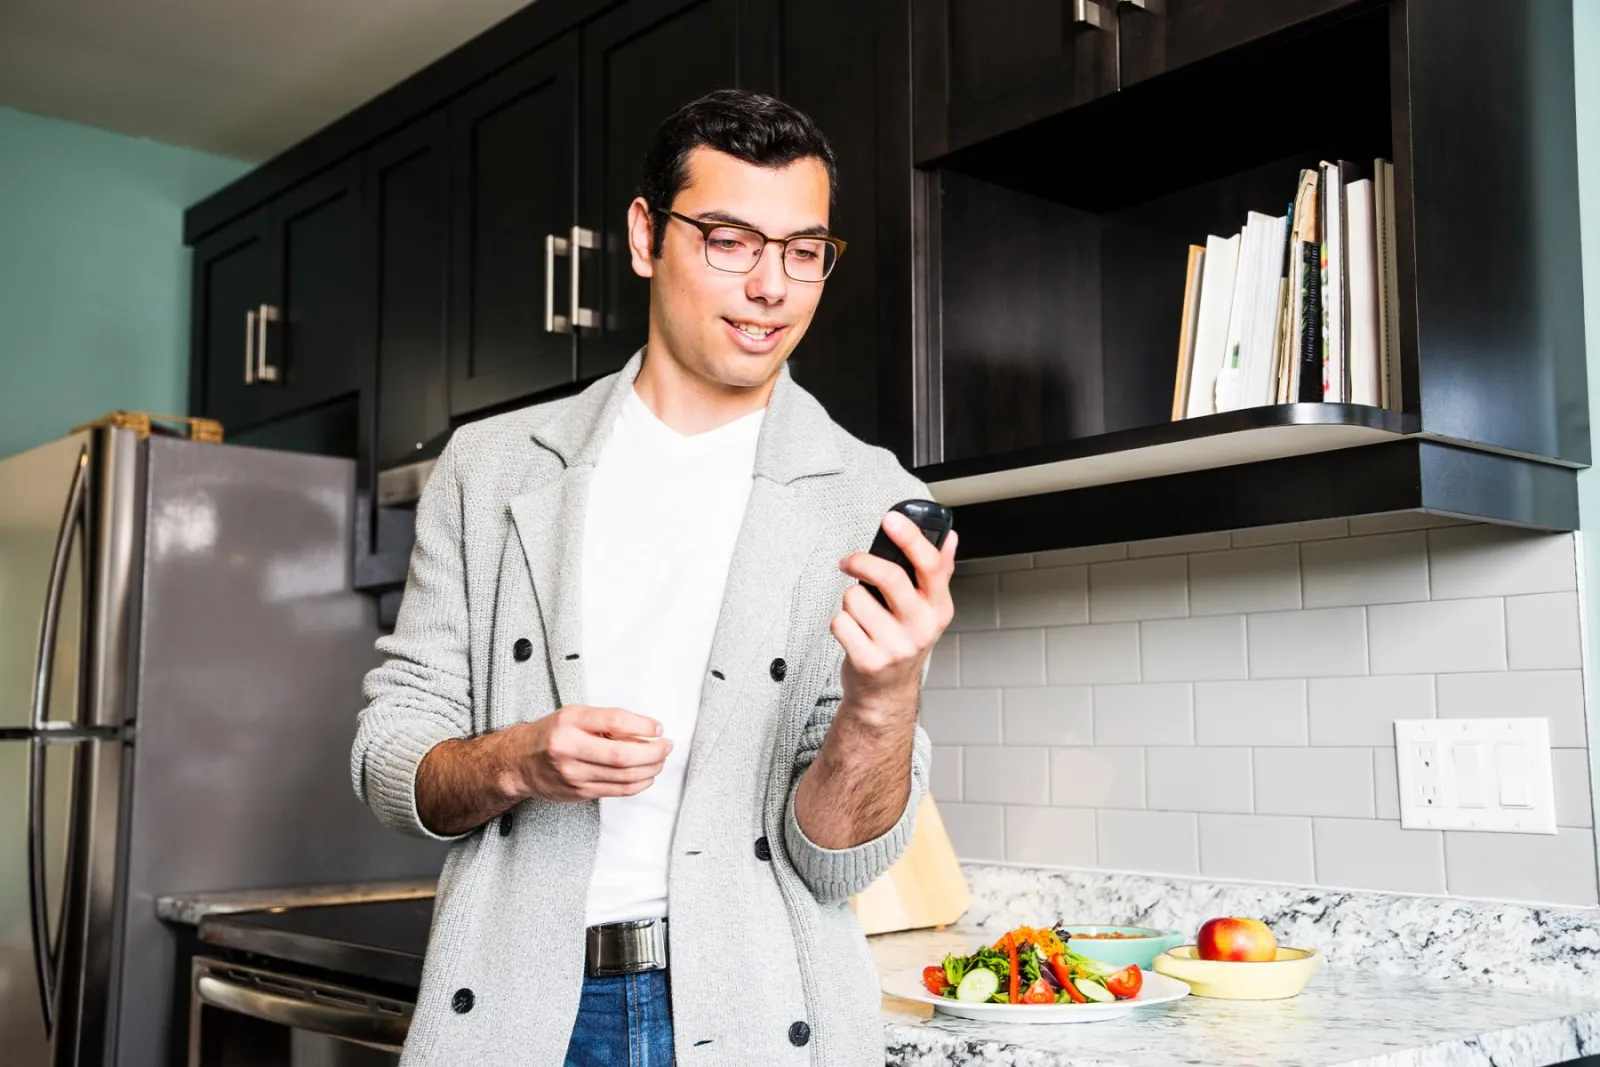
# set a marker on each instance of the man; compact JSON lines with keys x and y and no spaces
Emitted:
{"x":635,"y":678}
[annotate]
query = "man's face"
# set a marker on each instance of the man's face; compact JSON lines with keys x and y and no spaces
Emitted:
{"x":713,"y":320}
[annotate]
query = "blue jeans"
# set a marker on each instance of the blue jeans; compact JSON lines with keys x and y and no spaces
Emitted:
{"x":624,"y":1020}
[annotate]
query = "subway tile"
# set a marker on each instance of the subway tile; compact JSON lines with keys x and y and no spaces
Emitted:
{"x":1244,"y":580}
{"x":1173,"y":650}
{"x":961,"y":716}
{"x":1003,"y":657}
{"x":1308,"y":644}
{"x":1545,"y":868}
{"x":977,"y":831}
{"x":944,"y":777}
{"x":944,"y":663}
{"x":1005,"y":774}
{"x":1315,"y":530}
{"x":1488,"y":560}
{"x":1314,"y":781}
{"x":1061,"y":557}
{"x":1138,"y":589}
{"x":1080,"y":655}
{"x":995,"y":564}
{"x":1456,"y":635}
{"x":1056,"y":837}
{"x":976,"y":598}
{"x":1381,"y":569}
{"x":1150,"y":714}
{"x":1260,"y":848}
{"x":1162,"y":842}
{"x":1570,"y":767}
{"x":1553,"y":695}
{"x":1395,"y":521}
{"x":1263,"y":712}
{"x":1177,"y":546}
{"x":1386,"y":776}
{"x":1542,"y":632}
{"x":1047,"y":715}
{"x":1378,"y":854}
{"x":1050,"y":596}
{"x":1198,"y":779}
{"x":1362,"y":711}
{"x":1103,"y":776}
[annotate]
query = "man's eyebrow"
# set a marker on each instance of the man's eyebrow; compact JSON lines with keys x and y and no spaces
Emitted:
{"x":716,"y":215}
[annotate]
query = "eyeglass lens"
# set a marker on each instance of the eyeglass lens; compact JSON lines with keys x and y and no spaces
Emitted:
{"x":804,"y":259}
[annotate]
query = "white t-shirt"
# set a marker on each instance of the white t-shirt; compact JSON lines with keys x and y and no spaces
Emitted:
{"x":663,"y":514}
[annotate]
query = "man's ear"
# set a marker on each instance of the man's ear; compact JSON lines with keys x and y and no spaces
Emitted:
{"x":640,"y":234}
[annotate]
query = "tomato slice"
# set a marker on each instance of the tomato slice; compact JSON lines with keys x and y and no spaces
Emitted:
{"x":1126,"y":982}
{"x":935,"y":979}
{"x":1039,"y":993}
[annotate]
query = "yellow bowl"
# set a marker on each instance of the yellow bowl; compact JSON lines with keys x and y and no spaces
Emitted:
{"x":1274,"y":979}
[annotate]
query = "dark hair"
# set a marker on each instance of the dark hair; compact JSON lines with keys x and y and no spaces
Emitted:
{"x":746,"y":125}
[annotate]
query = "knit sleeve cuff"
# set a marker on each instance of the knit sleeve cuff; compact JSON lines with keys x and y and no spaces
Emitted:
{"x":390,"y":775}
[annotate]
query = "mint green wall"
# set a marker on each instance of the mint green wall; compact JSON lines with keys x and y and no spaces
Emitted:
{"x":94,"y":277}
{"x":1586,"y":45}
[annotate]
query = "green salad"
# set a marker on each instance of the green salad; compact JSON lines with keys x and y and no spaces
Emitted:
{"x":1030,"y":966}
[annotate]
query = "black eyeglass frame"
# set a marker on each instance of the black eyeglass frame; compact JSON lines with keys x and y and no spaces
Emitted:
{"x":706,"y":227}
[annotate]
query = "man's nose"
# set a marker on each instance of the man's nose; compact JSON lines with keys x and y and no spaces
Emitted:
{"x":766,"y":280}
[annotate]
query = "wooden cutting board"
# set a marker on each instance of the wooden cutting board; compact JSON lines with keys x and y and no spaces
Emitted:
{"x":925,"y":887}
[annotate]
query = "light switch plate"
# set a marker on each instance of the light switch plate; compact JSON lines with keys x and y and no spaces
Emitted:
{"x":1475,"y":774}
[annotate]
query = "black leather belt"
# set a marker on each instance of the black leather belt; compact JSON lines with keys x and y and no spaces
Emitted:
{"x":626,"y":948}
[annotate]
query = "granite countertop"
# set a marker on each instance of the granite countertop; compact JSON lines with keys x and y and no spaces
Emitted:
{"x":1348,"y":1016}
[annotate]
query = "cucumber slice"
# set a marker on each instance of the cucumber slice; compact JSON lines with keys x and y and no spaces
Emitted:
{"x":977,"y":986}
{"x":1094,"y":991}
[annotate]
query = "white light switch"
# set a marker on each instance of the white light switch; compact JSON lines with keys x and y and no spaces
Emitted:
{"x":1475,"y":774}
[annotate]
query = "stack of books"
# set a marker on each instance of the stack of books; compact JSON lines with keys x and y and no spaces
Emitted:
{"x":1297,"y":307}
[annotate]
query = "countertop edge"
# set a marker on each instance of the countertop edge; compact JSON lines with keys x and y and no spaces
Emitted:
{"x":187,"y":909}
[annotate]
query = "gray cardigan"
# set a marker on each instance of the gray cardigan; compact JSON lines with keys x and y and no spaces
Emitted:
{"x":757,"y":945}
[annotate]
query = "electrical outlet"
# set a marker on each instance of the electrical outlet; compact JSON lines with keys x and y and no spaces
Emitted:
{"x":1475,"y":774}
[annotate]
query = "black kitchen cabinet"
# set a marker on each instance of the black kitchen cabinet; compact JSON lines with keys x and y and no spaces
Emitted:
{"x":277,"y":295}
{"x":513,"y":214}
{"x":1158,"y":36}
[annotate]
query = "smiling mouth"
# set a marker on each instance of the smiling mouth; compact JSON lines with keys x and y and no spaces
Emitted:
{"x":752,"y":330}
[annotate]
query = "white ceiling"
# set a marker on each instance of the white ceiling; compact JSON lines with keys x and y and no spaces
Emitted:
{"x":240,"y":78}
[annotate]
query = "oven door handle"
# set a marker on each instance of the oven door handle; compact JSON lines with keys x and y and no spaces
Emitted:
{"x":368,"y":1028}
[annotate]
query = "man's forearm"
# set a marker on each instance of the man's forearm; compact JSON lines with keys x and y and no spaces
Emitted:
{"x":857,"y":787}
{"x":462,"y":784}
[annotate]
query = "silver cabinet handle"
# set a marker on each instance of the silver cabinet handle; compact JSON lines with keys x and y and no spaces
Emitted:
{"x":554,"y":246}
{"x":265,"y":371}
{"x":581,"y":239}
{"x":386,"y":1031}
{"x":249,"y":348}
{"x":1088,"y":13}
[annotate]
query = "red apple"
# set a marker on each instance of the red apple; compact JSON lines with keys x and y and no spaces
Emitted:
{"x":1246,"y":940}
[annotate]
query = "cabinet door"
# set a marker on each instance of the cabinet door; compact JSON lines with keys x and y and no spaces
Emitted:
{"x":986,"y":67}
{"x":231,"y":268}
{"x":641,"y":62}
{"x":513,"y":158}
{"x":1156,"y":36}
{"x":406,"y":199}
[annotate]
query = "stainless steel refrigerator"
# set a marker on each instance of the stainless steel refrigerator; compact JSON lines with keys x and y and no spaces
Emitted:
{"x":180,"y":663}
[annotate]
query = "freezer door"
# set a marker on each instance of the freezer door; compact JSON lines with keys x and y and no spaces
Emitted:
{"x":44,"y":494}
{"x":37,"y":785}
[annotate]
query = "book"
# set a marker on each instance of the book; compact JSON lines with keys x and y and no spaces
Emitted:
{"x":1330,"y":194}
{"x":1244,"y":289}
{"x":1211,"y":323}
{"x":1303,"y":328}
{"x":1186,"y":333}
{"x":1361,"y":295}
{"x":1388,"y":286}
{"x":1246,"y":376}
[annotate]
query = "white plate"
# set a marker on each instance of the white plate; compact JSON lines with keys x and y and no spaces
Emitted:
{"x":1157,"y":989}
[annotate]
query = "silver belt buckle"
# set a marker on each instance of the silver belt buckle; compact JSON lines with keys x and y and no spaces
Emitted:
{"x":626,"y":948}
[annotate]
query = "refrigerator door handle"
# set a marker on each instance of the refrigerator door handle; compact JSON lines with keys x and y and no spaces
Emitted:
{"x":43,"y":956}
{"x":70,"y":521}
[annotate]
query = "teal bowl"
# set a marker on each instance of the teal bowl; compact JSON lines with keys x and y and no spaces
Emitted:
{"x":1122,"y":951}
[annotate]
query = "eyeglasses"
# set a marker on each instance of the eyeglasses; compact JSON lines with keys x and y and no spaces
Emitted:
{"x":736,"y":249}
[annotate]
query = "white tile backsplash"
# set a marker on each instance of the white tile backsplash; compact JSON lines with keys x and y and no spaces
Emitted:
{"x":1160,"y":713}
{"x":1082,"y":655}
{"x":1542,"y":632}
{"x":1268,"y":711}
{"x":1224,"y":704}
{"x":1138,"y":589}
{"x":1048,"y":715}
{"x":1198,"y":779}
{"x":1362,"y":711}
{"x":1192,"y":649}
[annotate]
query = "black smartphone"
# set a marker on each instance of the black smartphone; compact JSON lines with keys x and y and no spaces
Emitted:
{"x":934,"y":520}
